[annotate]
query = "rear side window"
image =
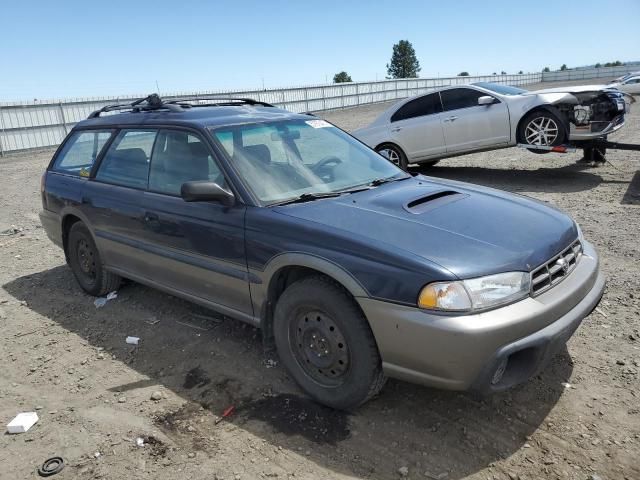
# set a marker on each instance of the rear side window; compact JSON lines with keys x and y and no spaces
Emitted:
{"x":421,"y":106}
{"x":460,"y":98}
{"x":80,"y":152}
{"x":126,"y":163}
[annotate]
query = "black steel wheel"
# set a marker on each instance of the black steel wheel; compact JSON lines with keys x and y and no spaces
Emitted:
{"x":326,"y":344}
{"x":84,"y":260}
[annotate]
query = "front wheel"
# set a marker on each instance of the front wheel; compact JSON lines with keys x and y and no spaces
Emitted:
{"x":543,"y":128}
{"x":394,"y":154}
{"x":326,"y":345}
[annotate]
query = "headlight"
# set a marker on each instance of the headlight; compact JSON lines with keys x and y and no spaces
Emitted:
{"x":475,"y":294}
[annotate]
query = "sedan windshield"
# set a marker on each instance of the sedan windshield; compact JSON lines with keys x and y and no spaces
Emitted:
{"x":502,"y":89}
{"x":292,"y":159}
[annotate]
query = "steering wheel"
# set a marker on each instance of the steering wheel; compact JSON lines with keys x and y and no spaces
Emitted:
{"x":324,"y":168}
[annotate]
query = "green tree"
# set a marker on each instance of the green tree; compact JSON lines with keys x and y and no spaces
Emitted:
{"x":503,"y":72}
{"x":545,"y":69}
{"x":463,"y":74}
{"x":598,"y":65}
{"x":520,"y":72}
{"x":404,"y":63}
{"x":563,"y":67}
{"x":342,"y":77}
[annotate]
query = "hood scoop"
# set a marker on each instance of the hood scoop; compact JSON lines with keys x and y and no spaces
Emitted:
{"x":433,"y":200}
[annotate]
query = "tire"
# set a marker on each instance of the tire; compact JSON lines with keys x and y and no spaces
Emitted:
{"x":542,"y":127}
{"x":86,"y":264}
{"x":341,"y":366}
{"x":395,"y":155}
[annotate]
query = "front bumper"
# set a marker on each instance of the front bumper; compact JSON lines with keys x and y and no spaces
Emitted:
{"x":462,"y":352}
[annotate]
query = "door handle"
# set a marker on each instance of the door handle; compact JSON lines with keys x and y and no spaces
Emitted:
{"x":151,"y":217}
{"x":451,"y":119}
{"x":396,"y":129}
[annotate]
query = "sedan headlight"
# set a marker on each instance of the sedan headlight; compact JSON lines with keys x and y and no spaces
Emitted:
{"x":476,"y":293}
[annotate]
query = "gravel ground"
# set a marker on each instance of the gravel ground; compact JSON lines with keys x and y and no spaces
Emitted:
{"x":68,"y":360}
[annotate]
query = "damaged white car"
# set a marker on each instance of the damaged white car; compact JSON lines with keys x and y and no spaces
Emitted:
{"x":485,"y":116}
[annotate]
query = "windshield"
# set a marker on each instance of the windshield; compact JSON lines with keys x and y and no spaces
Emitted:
{"x":285,"y":159}
{"x":502,"y":89}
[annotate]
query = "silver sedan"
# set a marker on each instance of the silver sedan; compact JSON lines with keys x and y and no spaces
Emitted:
{"x":484,"y":116}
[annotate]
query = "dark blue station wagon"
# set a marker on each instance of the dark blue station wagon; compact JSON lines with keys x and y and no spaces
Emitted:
{"x":355,"y":269}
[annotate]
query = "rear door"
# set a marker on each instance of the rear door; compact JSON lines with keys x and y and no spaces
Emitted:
{"x":631,"y":85}
{"x":417,"y":128}
{"x":113,"y":200}
{"x":468,"y":126}
{"x":197,"y":247}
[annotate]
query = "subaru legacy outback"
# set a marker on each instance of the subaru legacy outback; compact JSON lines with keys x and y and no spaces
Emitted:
{"x":352,"y":268}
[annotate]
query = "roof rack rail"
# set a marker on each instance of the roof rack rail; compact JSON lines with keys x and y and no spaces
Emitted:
{"x":154,"y":102}
{"x":224,"y":101}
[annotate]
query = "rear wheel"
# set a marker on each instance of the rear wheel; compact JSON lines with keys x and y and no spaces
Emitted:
{"x":325,"y":343}
{"x":394,"y":154}
{"x":543,"y":128}
{"x":84,"y":260}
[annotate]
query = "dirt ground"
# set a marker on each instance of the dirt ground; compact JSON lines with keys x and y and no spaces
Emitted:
{"x":68,"y":360}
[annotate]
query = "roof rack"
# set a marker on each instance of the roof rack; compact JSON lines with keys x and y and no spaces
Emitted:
{"x":154,"y":102}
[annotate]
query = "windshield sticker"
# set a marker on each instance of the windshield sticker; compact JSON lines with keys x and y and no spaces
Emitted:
{"x":84,"y":172}
{"x":318,"y":123}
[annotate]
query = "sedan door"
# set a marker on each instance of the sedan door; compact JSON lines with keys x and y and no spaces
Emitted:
{"x":631,"y":85}
{"x":468,"y":126}
{"x":198,"y":247}
{"x":417,"y":127}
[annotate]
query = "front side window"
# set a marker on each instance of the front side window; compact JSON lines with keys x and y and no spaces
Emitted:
{"x":421,"y":106}
{"x":180,"y":157}
{"x":282,"y":160}
{"x":457,"y":98}
{"x":80,"y":152}
{"x":126,"y":163}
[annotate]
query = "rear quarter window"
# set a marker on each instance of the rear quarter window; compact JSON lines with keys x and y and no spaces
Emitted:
{"x":80,"y":152}
{"x":126,"y":163}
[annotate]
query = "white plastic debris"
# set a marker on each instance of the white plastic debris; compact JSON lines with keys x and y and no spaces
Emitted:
{"x":22,"y":422}
{"x":97,"y":454}
{"x":133,"y":340}
{"x":102,"y":301}
{"x":140,"y":442}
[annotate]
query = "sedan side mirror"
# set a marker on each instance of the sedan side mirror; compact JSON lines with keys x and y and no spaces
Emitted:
{"x":486,"y":100}
{"x":205,"y":191}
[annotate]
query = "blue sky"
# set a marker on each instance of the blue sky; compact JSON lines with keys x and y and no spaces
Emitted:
{"x":54,"y":49}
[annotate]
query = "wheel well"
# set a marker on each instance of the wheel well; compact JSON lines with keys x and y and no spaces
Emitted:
{"x":67,"y":222}
{"x":546,"y":108}
{"x":388,"y":143}
{"x":278,"y":284}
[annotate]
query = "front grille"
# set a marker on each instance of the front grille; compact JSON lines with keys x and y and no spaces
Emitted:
{"x":555,"y":270}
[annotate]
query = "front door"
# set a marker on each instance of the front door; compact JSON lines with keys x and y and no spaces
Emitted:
{"x":198,"y":246}
{"x":468,"y":126}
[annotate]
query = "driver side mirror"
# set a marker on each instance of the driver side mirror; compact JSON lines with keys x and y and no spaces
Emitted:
{"x":486,"y":100}
{"x":205,"y":191}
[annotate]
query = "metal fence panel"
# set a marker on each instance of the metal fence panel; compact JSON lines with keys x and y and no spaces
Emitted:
{"x":34,"y":125}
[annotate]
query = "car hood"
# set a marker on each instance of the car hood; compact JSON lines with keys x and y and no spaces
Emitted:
{"x":466,"y":229}
{"x":570,"y":89}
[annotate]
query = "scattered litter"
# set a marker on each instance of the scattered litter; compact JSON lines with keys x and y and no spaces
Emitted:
{"x":140,"y":442}
{"x":403,"y":471}
{"x":566,"y":385}
{"x":13,"y":230}
{"x":227,"y":413}
{"x":133,"y":340}
{"x":270,"y":363}
{"x":152,"y":321}
{"x":51,"y":466}
{"x":22,"y":422}
{"x":599,"y":310}
{"x":102,"y":301}
{"x":192,"y":326}
{"x":97,"y":454}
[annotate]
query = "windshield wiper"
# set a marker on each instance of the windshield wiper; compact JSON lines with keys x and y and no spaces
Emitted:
{"x":380,"y":181}
{"x":308,"y":197}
